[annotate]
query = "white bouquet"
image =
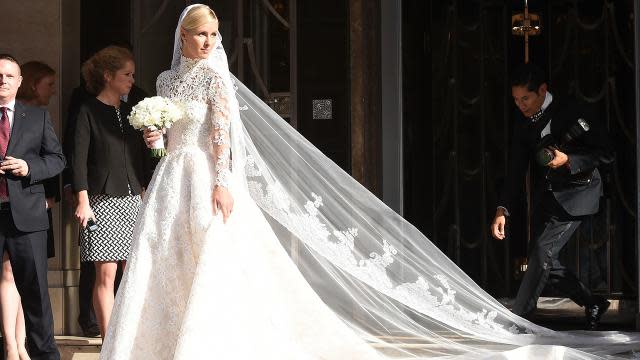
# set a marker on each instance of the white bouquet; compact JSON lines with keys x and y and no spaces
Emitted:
{"x":155,"y":113}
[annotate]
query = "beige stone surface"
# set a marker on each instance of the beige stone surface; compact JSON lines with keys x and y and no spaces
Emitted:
{"x":77,"y":341}
{"x":78,"y":348}
{"x":57,"y":306}
{"x":49,"y":31}
{"x":34,"y":33}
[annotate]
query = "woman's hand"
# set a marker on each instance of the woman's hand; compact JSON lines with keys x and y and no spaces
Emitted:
{"x":151,"y":136}
{"x":83,"y":210}
{"x":222,"y":201}
{"x":50,"y":202}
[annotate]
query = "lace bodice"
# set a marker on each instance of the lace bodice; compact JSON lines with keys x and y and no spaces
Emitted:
{"x":206,"y":123}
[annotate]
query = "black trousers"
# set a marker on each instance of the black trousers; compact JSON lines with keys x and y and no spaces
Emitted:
{"x":86,"y":316}
{"x":552,"y":229}
{"x":28,"y":256}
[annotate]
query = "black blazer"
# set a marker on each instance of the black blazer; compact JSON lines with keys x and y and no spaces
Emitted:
{"x":585,"y":153}
{"x":34,"y":141}
{"x":105,"y":159}
{"x":79,"y":96}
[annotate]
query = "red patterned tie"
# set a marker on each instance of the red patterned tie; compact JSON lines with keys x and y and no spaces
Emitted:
{"x":4,"y":143}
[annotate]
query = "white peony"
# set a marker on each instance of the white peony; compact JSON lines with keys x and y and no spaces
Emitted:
{"x":155,"y":113}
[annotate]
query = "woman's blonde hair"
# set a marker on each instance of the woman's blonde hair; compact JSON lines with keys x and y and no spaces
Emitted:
{"x":197,"y":16}
{"x":108,"y":60}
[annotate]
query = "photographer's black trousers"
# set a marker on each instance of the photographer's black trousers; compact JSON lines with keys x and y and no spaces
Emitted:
{"x":552,"y":228}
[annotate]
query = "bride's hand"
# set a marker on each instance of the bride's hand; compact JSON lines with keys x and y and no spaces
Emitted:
{"x":223,"y":201}
{"x":150,"y":136}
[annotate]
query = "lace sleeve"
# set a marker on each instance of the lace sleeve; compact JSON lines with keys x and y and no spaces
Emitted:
{"x":221,"y":142}
{"x":162,"y":83}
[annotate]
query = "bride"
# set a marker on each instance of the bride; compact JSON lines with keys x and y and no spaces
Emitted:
{"x":251,"y":244}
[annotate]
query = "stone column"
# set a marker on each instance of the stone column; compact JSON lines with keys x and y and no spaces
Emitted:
{"x":48,"y":31}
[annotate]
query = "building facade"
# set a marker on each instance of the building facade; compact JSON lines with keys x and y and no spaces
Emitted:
{"x":411,"y":97}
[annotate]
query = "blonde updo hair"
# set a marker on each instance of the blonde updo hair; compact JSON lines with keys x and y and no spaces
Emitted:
{"x":197,"y":16}
{"x":108,"y":60}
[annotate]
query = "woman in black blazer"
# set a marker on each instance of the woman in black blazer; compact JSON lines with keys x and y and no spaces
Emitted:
{"x":110,"y":165}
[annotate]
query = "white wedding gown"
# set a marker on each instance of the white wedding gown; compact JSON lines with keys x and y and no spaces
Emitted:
{"x":196,"y":288}
{"x":361,"y":283}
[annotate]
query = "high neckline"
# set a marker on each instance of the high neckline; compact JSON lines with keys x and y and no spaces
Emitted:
{"x":187,"y":64}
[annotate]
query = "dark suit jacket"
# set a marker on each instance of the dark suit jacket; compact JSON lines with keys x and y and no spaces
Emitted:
{"x":105,"y":160}
{"x":585,"y":153}
{"x":34,"y":141}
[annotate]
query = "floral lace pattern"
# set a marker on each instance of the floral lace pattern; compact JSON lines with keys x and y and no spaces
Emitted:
{"x":187,"y":270}
{"x":198,"y":288}
{"x":435,"y":298}
{"x":204,"y":95}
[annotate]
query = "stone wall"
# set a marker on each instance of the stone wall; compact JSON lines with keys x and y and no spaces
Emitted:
{"x":48,"y":31}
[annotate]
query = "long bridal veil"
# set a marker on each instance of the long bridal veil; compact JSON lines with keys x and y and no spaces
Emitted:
{"x":375,"y":270}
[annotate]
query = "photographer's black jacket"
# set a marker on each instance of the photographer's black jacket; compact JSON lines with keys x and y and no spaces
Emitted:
{"x":576,"y":186}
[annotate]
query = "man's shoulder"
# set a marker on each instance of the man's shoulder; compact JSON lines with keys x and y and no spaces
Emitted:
{"x":572,"y":107}
{"x":30,"y":111}
{"x":568,"y":102}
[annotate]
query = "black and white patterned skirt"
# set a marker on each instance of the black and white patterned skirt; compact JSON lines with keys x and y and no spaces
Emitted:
{"x":116,"y":218}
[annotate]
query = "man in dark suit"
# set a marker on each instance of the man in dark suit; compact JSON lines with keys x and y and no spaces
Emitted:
{"x":562,"y":145}
{"x":30,"y":154}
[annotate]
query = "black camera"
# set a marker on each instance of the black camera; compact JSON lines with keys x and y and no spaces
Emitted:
{"x":545,"y":153}
{"x":92,"y":225}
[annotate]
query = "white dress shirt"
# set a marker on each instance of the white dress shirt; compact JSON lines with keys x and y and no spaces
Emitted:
{"x":547,"y":101}
{"x":11,"y":109}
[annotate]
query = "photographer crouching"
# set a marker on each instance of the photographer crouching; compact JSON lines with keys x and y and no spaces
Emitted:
{"x":562,"y":145}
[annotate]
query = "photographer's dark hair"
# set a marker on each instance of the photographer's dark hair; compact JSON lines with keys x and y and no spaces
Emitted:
{"x":529,"y":76}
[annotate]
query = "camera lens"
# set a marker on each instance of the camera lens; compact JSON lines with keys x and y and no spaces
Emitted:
{"x":544,"y":156}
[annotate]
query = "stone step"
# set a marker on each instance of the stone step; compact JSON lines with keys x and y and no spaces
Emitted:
{"x":564,"y":314}
{"x":550,"y":312}
{"x":78,"y":348}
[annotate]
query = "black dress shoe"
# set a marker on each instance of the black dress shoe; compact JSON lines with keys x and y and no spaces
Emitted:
{"x":90,"y":330}
{"x":593,"y":313}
